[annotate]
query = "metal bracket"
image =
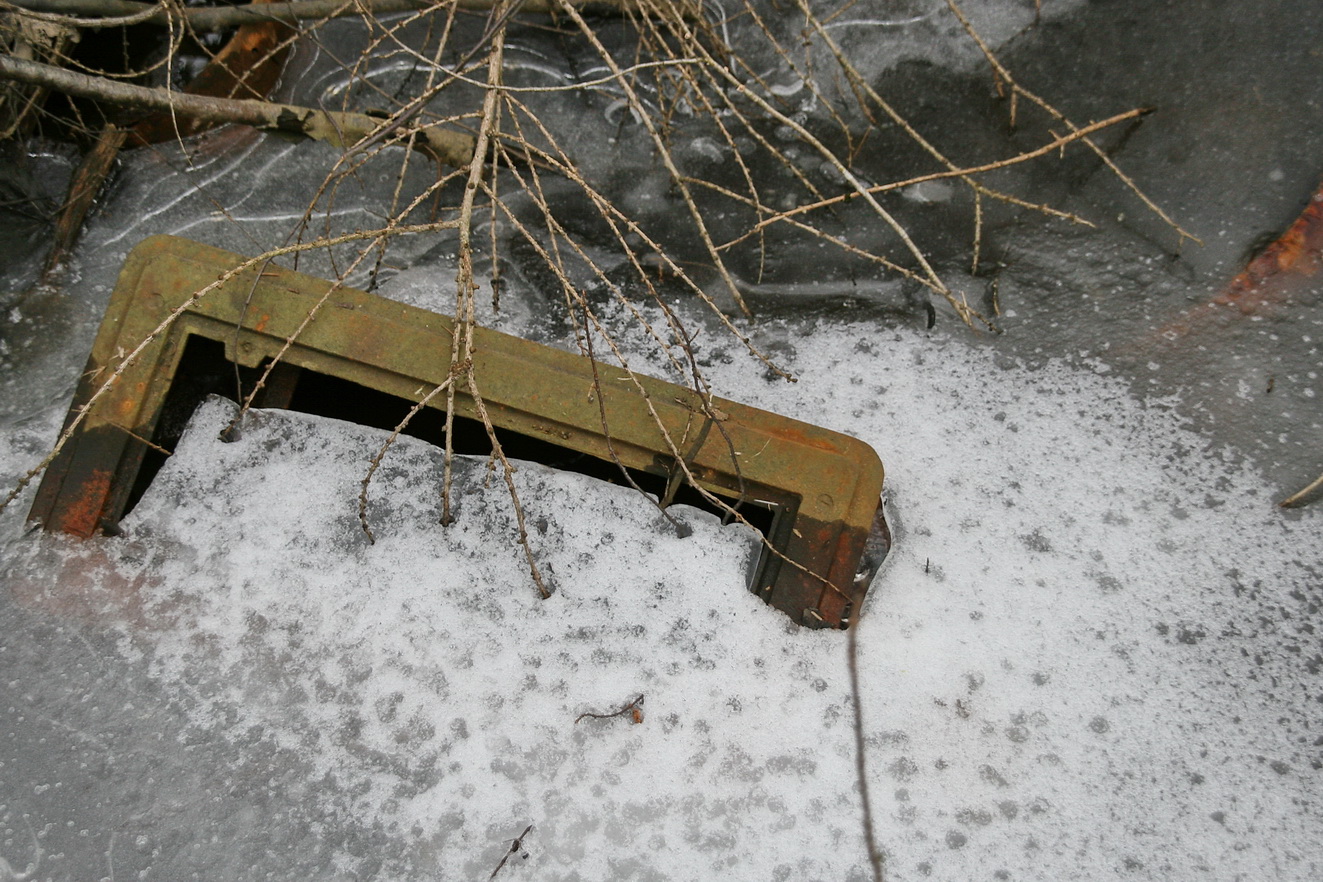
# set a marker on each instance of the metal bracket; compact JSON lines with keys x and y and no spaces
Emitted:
{"x":814,"y":493}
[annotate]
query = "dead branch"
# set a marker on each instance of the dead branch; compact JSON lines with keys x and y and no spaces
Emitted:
{"x":876,"y":858}
{"x":1017,"y":90}
{"x":857,"y":186}
{"x":342,"y":129}
{"x":34,"y":41}
{"x":866,"y":94}
{"x":622,"y":227}
{"x":381,"y":454}
{"x":1051,"y":146}
{"x":633,"y":708}
{"x":515,"y":846}
{"x":84,"y":186}
{"x":663,"y":151}
{"x":1295,"y":500}
{"x":462,"y":338}
{"x":92,"y":13}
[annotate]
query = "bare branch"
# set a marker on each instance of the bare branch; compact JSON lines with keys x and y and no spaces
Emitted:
{"x":876,"y":859}
{"x":633,"y":708}
{"x":1047,"y":148}
{"x":94,"y":13}
{"x":1017,"y":90}
{"x":381,"y":454}
{"x":1295,"y":500}
{"x":515,"y":846}
{"x":338,"y":128}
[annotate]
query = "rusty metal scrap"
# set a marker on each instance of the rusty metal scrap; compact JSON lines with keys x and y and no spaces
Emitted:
{"x":814,"y":493}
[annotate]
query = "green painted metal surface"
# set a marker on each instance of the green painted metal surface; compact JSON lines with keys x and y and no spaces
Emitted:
{"x":815,"y":493}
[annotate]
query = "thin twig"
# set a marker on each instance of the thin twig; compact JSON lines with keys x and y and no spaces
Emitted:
{"x":338,"y":128}
{"x":663,"y":151}
{"x":635,"y":705}
{"x":381,"y":454}
{"x":1017,"y":89}
{"x":515,"y":846}
{"x":876,"y":859}
{"x":1295,"y":500}
{"x":1055,"y":144}
{"x":98,"y":13}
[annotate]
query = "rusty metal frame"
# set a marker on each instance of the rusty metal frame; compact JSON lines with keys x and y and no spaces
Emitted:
{"x":825,"y":534}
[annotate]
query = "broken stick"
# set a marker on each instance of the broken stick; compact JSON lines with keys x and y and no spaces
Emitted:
{"x":338,"y":128}
{"x":633,"y":708}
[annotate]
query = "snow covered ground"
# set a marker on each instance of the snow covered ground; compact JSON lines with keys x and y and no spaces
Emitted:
{"x":1092,"y":653}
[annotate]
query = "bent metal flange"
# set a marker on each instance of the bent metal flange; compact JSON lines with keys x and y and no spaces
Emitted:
{"x":814,"y":493}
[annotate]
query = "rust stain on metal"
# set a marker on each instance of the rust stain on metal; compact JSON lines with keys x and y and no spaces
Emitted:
{"x":248,"y":66}
{"x":796,"y":436}
{"x":82,"y":515}
{"x":1297,"y":252}
{"x":815,"y":494}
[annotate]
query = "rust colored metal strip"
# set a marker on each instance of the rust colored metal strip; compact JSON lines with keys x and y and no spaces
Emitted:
{"x":817,"y":492}
{"x":247,"y":66}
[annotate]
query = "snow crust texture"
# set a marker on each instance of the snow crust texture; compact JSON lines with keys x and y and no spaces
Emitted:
{"x":1091,"y":652}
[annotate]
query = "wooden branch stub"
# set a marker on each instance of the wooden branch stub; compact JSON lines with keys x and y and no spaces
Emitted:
{"x":211,"y":18}
{"x":340,"y":129}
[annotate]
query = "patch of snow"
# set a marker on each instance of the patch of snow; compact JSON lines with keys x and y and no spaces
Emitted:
{"x":1088,"y":653}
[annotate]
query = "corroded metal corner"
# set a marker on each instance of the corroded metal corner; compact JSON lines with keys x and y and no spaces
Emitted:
{"x":815,"y":494}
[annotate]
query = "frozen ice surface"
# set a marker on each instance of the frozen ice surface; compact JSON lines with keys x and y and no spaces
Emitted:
{"x":1091,"y":652}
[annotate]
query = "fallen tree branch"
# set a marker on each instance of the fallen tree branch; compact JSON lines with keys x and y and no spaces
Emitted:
{"x":635,"y":706}
{"x":1295,"y":500}
{"x":876,"y":856}
{"x":1017,"y":90}
{"x":210,"y":18}
{"x":84,"y":187}
{"x":515,"y":846}
{"x":337,"y":128}
{"x":1055,"y":144}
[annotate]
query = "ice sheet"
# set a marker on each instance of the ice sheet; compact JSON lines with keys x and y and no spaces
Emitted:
{"x":1093,"y":652}
{"x":1090,"y":652}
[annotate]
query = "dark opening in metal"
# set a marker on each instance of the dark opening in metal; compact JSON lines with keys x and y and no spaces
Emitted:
{"x":204,"y":370}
